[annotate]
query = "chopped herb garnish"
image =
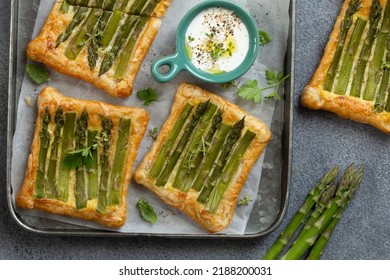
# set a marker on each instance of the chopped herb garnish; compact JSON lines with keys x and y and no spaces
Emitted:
{"x":147,"y":95}
{"x":153,"y":133}
{"x":38,"y":73}
{"x":246,"y":200}
{"x":147,"y":211}
{"x":265,"y":38}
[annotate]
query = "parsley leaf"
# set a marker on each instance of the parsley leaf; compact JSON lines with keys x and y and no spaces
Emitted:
{"x":275,"y":79}
{"x":250,"y":90}
{"x":38,"y":73}
{"x":265,"y":38}
{"x":153,"y":133}
{"x":147,"y":95}
{"x":147,"y":211}
{"x":246,"y":200}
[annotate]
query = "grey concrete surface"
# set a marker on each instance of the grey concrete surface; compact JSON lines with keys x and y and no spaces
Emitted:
{"x":321,"y":140}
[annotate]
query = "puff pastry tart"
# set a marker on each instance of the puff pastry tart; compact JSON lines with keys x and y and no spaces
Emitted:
{"x":202,"y":156}
{"x":103,"y":43}
{"x":352,"y":79}
{"x":81,"y":158}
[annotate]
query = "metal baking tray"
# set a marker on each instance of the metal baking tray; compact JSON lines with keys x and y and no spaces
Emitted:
{"x":275,"y":182}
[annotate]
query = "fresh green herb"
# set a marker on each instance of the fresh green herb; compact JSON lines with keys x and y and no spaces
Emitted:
{"x":191,"y":39}
{"x":265,"y":38}
{"x":38,"y":73}
{"x":250,"y":90}
{"x":246,"y":200}
{"x":82,"y":157}
{"x":147,"y":211}
{"x":147,"y":95}
{"x":211,"y":35}
{"x":153,"y":133}
{"x":230,"y":84}
{"x":274,"y":80}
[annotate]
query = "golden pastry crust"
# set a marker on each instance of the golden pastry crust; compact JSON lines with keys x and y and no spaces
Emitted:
{"x":314,"y":96}
{"x":43,"y":49}
{"x":187,"y":202}
{"x":115,"y":215}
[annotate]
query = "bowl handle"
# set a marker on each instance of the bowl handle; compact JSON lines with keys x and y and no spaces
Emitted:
{"x":175,"y":63}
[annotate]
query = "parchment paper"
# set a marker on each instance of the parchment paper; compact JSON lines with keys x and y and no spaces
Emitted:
{"x":271,"y":16}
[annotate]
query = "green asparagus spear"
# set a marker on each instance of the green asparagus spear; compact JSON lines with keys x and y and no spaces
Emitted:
{"x":174,"y":157}
{"x":111,"y":28}
{"x":299,"y":217}
{"x":120,"y":39}
{"x":64,"y":7}
{"x":137,"y":7}
{"x":229,"y":171}
{"x":148,"y":9}
{"x":380,"y":101}
{"x":78,"y":42}
{"x":125,"y":55}
{"x":96,"y":39}
{"x":109,"y":4}
{"x":81,"y":191}
{"x":165,"y":151}
{"x":62,"y":192}
{"x":320,"y":207}
{"x":44,"y":136}
{"x":346,"y":24}
{"x":375,"y":70}
{"x":93,"y":170}
{"x":119,"y":162}
{"x":54,"y":154}
{"x":375,"y":16}
{"x":99,"y":3}
{"x":206,"y":143}
{"x":348,"y":186}
{"x":105,"y":165}
{"x":215,"y":149}
{"x":346,"y":66}
{"x":211,"y":181}
{"x":193,"y":147}
{"x":123,"y":5}
{"x":78,"y":18}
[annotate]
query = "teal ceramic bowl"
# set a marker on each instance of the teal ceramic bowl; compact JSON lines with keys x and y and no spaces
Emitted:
{"x":180,"y":60}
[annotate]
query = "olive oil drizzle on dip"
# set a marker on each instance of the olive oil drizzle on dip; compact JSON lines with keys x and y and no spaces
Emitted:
{"x":217,"y":41}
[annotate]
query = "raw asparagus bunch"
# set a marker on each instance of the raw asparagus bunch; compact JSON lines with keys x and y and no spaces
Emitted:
{"x":323,"y":217}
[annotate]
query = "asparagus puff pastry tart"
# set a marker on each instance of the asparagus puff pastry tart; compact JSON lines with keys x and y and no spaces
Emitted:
{"x":352,"y":79}
{"x":81,"y":158}
{"x":102,"y":42}
{"x":202,"y":156}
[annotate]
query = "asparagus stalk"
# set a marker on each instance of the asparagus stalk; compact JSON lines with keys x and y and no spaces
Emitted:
{"x":54,"y":155}
{"x":120,"y":39}
{"x":111,"y":28}
{"x":320,"y":207}
{"x":165,"y":151}
{"x":119,"y":162}
{"x":125,"y":55}
{"x":67,"y":145}
{"x":81,"y":191}
{"x":204,"y":150}
{"x":78,"y":17}
{"x":148,"y":9}
{"x":346,"y":24}
{"x":109,"y":4}
{"x":123,"y":5}
{"x":105,"y":165}
{"x":211,"y":181}
{"x":137,"y":7}
{"x":79,"y":41}
{"x":193,"y":147}
{"x":93,"y":170}
{"x":312,"y":198}
{"x":96,"y":39}
{"x":346,"y":66}
{"x":348,"y":186}
{"x":320,"y":244}
{"x":215,"y":149}
{"x":375,"y":16}
{"x":229,"y":171}
{"x":374,"y":72}
{"x":64,"y":7}
{"x":41,"y":179}
{"x":99,"y":3}
{"x":380,"y":101}
{"x":173,"y":159}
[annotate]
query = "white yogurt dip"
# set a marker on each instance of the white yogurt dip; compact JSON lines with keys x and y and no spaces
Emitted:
{"x":217,"y":41}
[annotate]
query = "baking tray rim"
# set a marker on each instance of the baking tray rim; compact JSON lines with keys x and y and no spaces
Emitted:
{"x":287,"y":139}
